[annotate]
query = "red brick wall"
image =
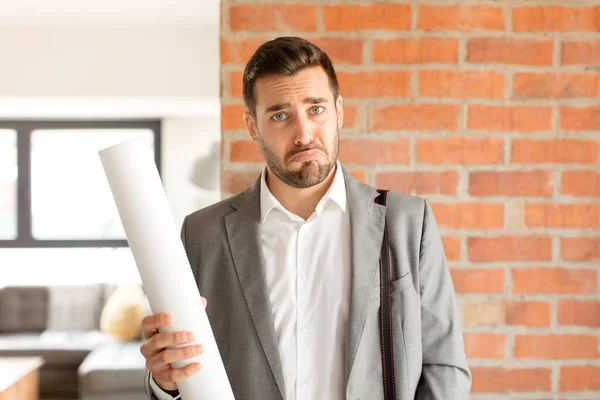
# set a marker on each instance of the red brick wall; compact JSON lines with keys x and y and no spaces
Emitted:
{"x":491,"y":111}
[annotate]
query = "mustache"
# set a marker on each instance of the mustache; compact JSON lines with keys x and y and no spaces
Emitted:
{"x":298,"y":151}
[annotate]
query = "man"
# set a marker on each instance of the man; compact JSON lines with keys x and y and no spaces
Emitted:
{"x":291,"y":267}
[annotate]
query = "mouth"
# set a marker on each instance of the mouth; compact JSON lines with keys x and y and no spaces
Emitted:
{"x":307,"y":155}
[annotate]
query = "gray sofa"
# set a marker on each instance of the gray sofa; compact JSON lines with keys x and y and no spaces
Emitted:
{"x":61,"y":324}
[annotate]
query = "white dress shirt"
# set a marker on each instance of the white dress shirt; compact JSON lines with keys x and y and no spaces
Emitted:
{"x":307,"y":265}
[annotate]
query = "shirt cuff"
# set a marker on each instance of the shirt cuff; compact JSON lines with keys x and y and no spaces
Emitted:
{"x":158,"y":392}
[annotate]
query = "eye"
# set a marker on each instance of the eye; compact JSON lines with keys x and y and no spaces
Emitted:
{"x":279,"y":117}
{"x":317,"y":110}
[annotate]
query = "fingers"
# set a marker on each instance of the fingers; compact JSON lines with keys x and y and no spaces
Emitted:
{"x":160,"y":365}
{"x":204,"y":301}
{"x":173,"y":375}
{"x":169,"y":356}
{"x":151,"y":323}
{"x":159,"y":341}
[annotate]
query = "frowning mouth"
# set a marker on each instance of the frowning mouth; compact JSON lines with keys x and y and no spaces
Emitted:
{"x":307,"y":155}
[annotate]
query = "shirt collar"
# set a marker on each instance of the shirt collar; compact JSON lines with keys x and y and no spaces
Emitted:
{"x":336,"y":193}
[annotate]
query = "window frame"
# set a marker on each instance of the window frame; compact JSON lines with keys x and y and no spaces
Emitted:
{"x":24,"y":128}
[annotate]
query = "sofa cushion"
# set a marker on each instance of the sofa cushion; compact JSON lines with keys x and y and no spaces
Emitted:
{"x":75,"y":308}
{"x":23,"y":309}
{"x":113,"y":368}
{"x":57,"y":348}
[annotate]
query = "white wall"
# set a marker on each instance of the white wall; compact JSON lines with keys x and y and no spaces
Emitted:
{"x":156,"y":71}
{"x":187,"y":145}
{"x":178,"y":61}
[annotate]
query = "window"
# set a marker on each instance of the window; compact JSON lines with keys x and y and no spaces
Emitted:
{"x":53,"y":191}
{"x":8,"y":184}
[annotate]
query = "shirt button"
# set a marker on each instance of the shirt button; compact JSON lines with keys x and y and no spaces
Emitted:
{"x":304,"y":330}
{"x":303,"y":277}
{"x":302,"y":385}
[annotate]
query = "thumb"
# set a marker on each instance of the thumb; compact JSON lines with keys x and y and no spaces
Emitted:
{"x":204,"y":301}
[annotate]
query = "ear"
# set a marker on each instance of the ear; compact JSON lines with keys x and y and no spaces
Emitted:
{"x":251,"y":125}
{"x":340,"y":111}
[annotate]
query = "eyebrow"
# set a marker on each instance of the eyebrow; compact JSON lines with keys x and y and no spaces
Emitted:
{"x":307,"y":100}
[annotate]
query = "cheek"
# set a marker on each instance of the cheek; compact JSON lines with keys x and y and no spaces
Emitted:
{"x":328,"y":129}
{"x":274,"y":141}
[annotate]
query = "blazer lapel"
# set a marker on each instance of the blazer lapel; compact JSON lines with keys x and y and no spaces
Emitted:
{"x":243,"y":233}
{"x":366,"y":229}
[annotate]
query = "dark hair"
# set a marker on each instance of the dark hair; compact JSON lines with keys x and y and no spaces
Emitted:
{"x":284,"y":56}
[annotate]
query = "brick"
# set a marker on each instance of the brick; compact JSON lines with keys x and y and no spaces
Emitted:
{"x":580,"y":183}
{"x":478,"y":281}
{"x":461,"y":84}
{"x":503,"y":380}
{"x":534,"y":314}
{"x":580,"y":249}
{"x":426,"y":117}
{"x":469,"y":216}
{"x":496,"y":313}
{"x":484,"y":345}
{"x":419,"y":182}
{"x":581,"y":53}
{"x":273,"y":17}
{"x":451,"y":248}
{"x":580,"y":118}
{"x":376,"y":17}
{"x":509,"y":248}
{"x":374,"y":152}
{"x":341,"y":50}
{"x":234,"y":182}
{"x":524,"y":119}
{"x":232,"y":117}
{"x":238,"y":50}
{"x":554,"y":281}
{"x":374,"y":84}
{"x":245,"y":151}
{"x":511,"y":183}
{"x":464,"y":151}
{"x":510,"y":51}
{"x":556,"y":347}
{"x":579,"y":378}
{"x":563,"y":216}
{"x":527,"y":151}
{"x":351,"y":118}
{"x":556,"y":19}
{"x":416,"y":51}
{"x":529,"y":85}
{"x":579,"y":313}
{"x":484,"y":313}
{"x":460,"y":18}
{"x":359,"y":174}
{"x":236,"y":87}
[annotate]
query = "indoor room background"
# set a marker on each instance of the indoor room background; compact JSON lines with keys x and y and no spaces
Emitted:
{"x":489,"y":109}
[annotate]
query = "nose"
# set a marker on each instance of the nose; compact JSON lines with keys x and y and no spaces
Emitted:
{"x":305,"y":131}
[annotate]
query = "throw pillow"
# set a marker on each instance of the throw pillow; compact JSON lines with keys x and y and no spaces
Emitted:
{"x":123,"y":313}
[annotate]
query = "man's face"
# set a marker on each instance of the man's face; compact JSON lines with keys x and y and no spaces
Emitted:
{"x":297,"y":126}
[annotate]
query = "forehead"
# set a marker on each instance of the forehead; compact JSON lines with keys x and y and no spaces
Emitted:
{"x":308,"y":82}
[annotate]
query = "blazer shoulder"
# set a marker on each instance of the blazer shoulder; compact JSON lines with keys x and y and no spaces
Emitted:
{"x":405,"y":206}
{"x":213,"y":213}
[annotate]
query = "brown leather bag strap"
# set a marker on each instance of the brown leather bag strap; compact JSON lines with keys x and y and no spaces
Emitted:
{"x":385,"y":310}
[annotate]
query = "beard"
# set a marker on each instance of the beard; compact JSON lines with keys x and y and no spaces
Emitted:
{"x":311,"y":173}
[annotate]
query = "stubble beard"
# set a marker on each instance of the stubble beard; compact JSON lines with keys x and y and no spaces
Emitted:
{"x":310,"y":174}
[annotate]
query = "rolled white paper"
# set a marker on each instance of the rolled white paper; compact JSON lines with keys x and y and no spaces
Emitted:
{"x":162,"y":262}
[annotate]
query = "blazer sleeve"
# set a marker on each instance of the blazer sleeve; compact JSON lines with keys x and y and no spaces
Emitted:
{"x":445,"y":373}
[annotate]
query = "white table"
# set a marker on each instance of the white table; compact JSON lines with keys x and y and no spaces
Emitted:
{"x":19,"y":378}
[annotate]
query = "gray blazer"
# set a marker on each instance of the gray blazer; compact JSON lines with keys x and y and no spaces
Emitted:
{"x":221,"y":242}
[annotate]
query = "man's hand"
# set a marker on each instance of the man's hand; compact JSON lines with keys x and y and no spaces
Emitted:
{"x":159,"y":358}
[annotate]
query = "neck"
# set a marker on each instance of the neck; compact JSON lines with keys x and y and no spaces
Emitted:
{"x":301,"y":202}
